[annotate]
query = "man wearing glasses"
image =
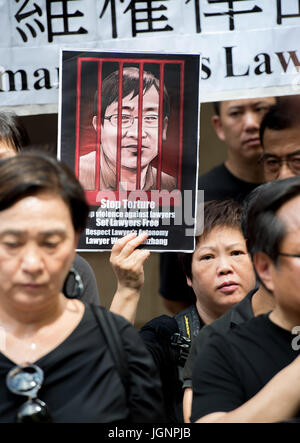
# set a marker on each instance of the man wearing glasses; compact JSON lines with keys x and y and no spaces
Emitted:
{"x":130,"y":138}
{"x":280,"y":139}
{"x":251,"y":374}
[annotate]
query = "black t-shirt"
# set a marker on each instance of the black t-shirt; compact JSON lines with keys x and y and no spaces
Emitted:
{"x":81,"y":383}
{"x":234,"y":367}
{"x":221,"y":184}
{"x":156,"y":335}
{"x":238,"y":314}
{"x":218,"y":184}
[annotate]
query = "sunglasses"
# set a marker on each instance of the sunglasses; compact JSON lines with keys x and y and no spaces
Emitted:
{"x":26,"y":380}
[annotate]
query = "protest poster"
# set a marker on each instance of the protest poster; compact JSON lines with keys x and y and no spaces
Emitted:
{"x":129,"y":128}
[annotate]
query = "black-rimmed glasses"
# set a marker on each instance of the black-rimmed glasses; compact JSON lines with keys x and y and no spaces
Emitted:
{"x":26,"y":380}
{"x":149,"y":120}
{"x":273,"y":163}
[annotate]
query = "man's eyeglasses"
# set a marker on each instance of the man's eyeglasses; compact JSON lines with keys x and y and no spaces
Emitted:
{"x":27,"y":380}
{"x":149,"y":120}
{"x":273,"y":163}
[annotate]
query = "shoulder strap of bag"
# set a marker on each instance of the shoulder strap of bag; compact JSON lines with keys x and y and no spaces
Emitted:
{"x":189,"y":326}
{"x":188,"y":322}
{"x":109,"y":329}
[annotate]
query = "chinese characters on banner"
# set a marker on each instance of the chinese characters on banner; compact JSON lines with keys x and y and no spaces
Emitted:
{"x":129,"y":129}
{"x":57,"y":18}
{"x":245,"y":45}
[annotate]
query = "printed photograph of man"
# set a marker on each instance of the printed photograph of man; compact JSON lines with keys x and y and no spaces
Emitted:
{"x":131,"y":168}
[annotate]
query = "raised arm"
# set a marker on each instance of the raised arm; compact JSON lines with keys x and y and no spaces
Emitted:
{"x":128,"y":265}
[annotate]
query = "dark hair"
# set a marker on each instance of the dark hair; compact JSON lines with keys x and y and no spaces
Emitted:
{"x":264,"y":230}
{"x":217,"y":106}
{"x":248,"y":202}
{"x":12,"y":131}
{"x":130,"y":85}
{"x":217,"y":214}
{"x":285,"y":114}
{"x":33,"y":172}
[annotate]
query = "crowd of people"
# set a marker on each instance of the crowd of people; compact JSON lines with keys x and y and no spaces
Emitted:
{"x":228,"y":353}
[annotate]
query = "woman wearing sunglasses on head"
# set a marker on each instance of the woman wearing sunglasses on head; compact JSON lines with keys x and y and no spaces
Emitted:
{"x":55,"y":362}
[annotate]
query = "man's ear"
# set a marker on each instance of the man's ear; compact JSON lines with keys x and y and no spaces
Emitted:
{"x":94,"y":122}
{"x":189,"y":282}
{"x":217,"y":124}
{"x":165,"y":127}
{"x":265,"y":269}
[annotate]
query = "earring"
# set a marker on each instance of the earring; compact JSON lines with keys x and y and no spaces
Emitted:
{"x":77,"y":287}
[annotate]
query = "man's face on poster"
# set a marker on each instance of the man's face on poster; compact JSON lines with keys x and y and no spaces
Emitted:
{"x":129,"y":131}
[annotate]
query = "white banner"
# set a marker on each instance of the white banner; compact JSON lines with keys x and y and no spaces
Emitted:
{"x":248,"y":47}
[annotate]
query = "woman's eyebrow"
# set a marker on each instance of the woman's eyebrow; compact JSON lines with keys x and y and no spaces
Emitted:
{"x":12,"y":232}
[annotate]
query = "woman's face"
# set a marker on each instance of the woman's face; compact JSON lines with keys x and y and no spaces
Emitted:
{"x":222,"y":270}
{"x":37,"y":248}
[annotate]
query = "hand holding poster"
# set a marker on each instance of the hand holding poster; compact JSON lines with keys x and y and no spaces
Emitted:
{"x":129,"y":129}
